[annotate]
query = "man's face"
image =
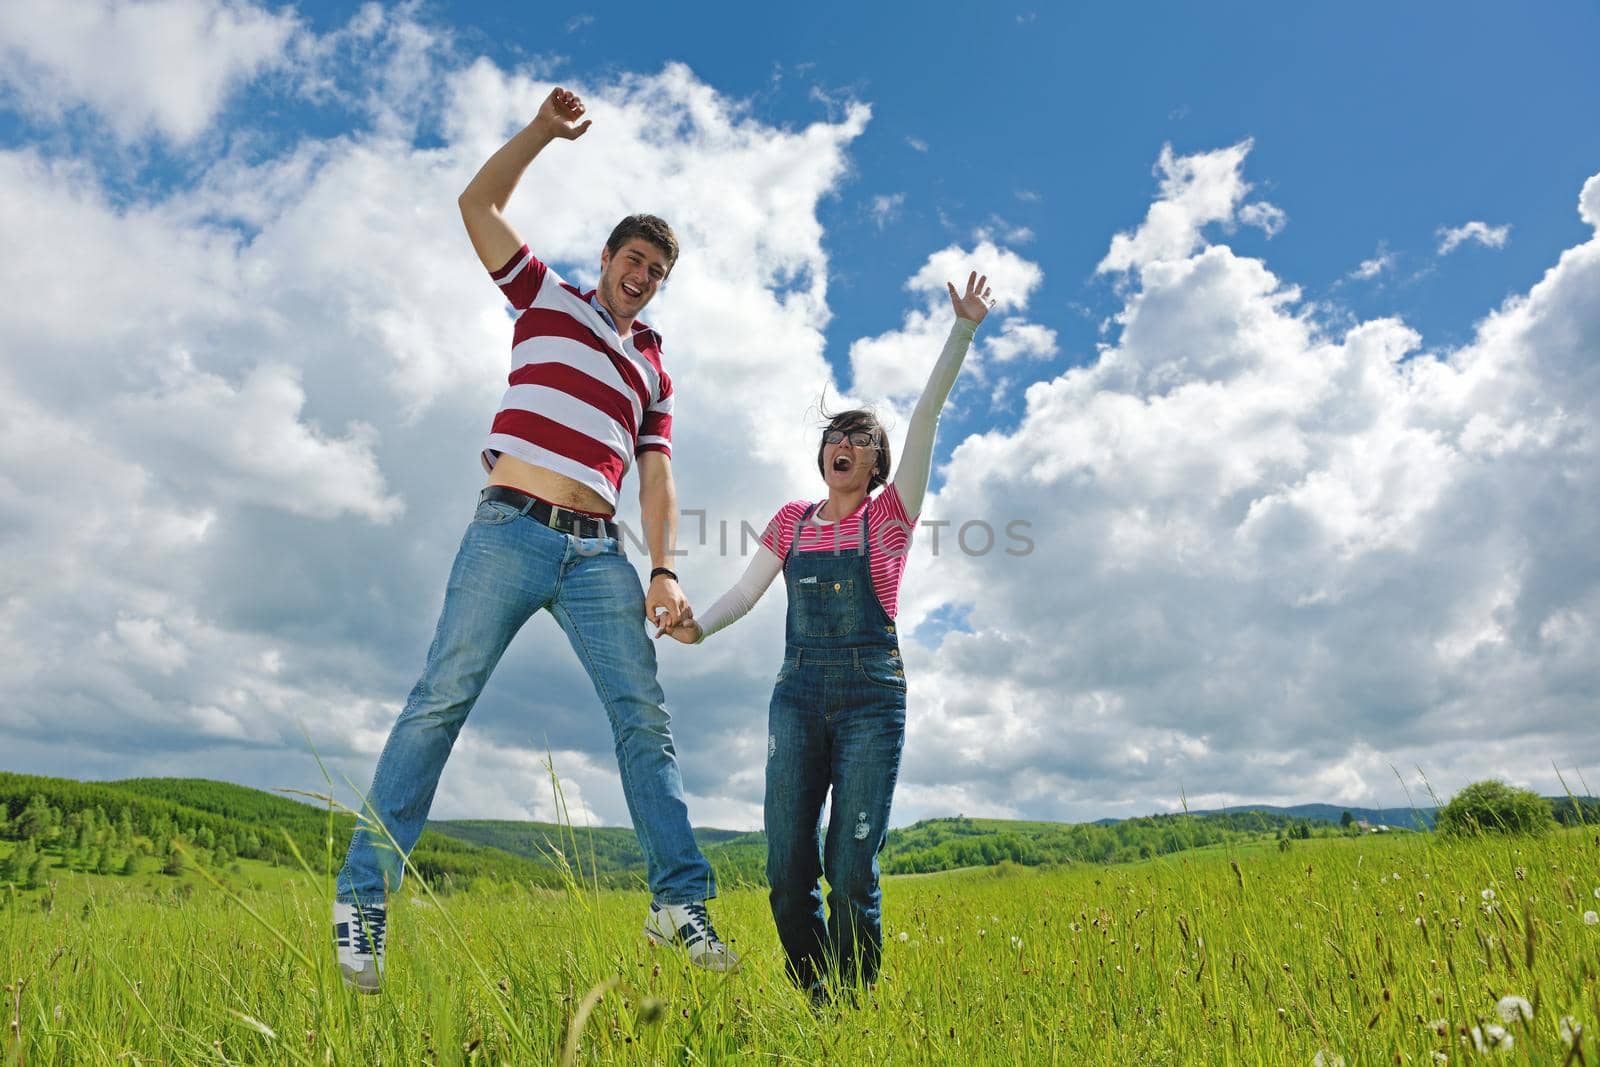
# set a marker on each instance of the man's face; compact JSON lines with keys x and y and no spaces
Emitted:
{"x":631,"y":277}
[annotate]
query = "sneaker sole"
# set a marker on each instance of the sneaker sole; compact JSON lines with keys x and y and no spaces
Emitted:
{"x":353,"y":980}
{"x":658,"y":940}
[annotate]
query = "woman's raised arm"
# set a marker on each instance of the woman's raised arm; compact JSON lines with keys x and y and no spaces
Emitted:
{"x":916,"y":458}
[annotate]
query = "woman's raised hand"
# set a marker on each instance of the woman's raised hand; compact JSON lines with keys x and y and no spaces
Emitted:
{"x":976,"y":302}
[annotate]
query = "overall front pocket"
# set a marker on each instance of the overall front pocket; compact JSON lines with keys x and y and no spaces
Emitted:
{"x":883,"y":671}
{"x":826,"y":609}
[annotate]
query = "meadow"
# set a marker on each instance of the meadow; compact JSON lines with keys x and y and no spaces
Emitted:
{"x":1377,"y":949}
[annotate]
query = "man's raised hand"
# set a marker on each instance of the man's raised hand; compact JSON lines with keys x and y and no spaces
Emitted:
{"x":559,"y":115}
{"x":976,"y":302}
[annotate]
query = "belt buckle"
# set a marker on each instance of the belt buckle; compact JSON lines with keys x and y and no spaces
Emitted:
{"x":570,"y":522}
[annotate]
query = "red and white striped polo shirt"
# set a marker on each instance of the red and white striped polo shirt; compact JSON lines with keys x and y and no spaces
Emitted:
{"x":889,"y":531}
{"x":580,"y":400}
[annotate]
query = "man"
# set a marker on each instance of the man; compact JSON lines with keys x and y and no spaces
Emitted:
{"x":587,"y":396}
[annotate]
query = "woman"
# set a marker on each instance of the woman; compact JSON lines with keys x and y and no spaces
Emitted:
{"x":837,"y":718}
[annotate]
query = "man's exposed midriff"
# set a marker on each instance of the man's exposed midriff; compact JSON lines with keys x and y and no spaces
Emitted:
{"x":547,"y":485}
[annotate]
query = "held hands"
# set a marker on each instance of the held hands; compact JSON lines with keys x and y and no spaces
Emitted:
{"x":559,"y":115}
{"x":976,"y":302}
{"x":688,"y":631}
{"x":665,"y":605}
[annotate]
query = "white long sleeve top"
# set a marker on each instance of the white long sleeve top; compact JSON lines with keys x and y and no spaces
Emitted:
{"x":910,"y":480}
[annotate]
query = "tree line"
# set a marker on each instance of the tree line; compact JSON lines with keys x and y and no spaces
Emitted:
{"x":144,"y":825}
{"x":944,"y":844}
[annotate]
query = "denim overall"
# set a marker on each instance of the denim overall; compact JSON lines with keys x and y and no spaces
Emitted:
{"x":837,"y":722}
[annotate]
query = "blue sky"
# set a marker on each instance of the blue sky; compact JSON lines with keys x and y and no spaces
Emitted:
{"x":1372,"y":122}
{"x":1293,"y":376}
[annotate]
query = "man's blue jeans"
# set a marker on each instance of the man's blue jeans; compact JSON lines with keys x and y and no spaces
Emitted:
{"x":508,"y":567}
{"x":836,"y":724}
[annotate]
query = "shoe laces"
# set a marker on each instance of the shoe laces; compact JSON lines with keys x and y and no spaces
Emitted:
{"x":367,"y":936}
{"x":702,"y":918}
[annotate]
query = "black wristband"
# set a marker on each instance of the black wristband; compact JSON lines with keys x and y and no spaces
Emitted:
{"x":659,"y":571}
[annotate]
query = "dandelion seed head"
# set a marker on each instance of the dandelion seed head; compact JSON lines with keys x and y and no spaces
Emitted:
{"x":902,"y":936}
{"x":1016,"y":942}
{"x":1487,"y":894}
{"x":1591,"y":919}
{"x":1513,"y":1008}
{"x":1490,"y":1037}
{"x":1324,"y":1058}
{"x":1569,"y":1029}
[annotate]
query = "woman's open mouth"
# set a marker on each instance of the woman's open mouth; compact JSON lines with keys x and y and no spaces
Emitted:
{"x":842,"y":463}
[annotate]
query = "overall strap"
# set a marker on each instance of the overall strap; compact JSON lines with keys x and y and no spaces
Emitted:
{"x":794,"y":542}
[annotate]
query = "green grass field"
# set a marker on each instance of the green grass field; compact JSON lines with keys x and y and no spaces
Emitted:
{"x":1370,"y":950}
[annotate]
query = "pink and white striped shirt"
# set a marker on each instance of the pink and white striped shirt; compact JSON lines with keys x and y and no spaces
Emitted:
{"x":889,"y":531}
{"x":580,"y":400}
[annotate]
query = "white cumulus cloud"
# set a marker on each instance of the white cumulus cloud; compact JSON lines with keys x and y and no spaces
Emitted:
{"x":894,"y":366}
{"x":1452,"y":237}
{"x":1195,"y":191}
{"x":1241,"y":552}
{"x":1381,"y":261}
{"x":1270,"y":558}
{"x":143,"y":66}
{"x":291,"y":363}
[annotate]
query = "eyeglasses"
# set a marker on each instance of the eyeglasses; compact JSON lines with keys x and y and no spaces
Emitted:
{"x":858,"y":438}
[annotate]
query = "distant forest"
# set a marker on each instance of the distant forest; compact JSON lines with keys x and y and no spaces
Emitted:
{"x":143,"y":824}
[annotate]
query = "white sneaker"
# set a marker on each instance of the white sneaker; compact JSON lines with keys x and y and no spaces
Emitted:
{"x":689,"y":925}
{"x":358,"y":935}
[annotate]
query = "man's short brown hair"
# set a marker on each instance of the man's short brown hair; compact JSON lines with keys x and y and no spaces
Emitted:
{"x":649,"y":228}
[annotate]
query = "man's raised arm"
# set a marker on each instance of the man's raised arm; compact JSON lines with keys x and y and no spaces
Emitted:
{"x":484,"y":199}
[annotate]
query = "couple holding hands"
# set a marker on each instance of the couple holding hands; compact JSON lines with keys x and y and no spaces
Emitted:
{"x":587,"y":395}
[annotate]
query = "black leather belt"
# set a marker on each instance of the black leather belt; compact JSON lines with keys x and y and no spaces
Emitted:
{"x":554,"y":516}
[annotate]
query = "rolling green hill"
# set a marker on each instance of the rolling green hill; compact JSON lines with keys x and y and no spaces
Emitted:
{"x":609,"y":854}
{"x":924,"y":847}
{"x":126,"y":826}
{"x":107,"y":827}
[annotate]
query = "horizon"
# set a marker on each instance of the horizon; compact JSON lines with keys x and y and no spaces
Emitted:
{"x":300,"y":796}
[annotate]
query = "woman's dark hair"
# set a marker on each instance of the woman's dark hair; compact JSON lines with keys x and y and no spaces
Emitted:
{"x":849,"y":422}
